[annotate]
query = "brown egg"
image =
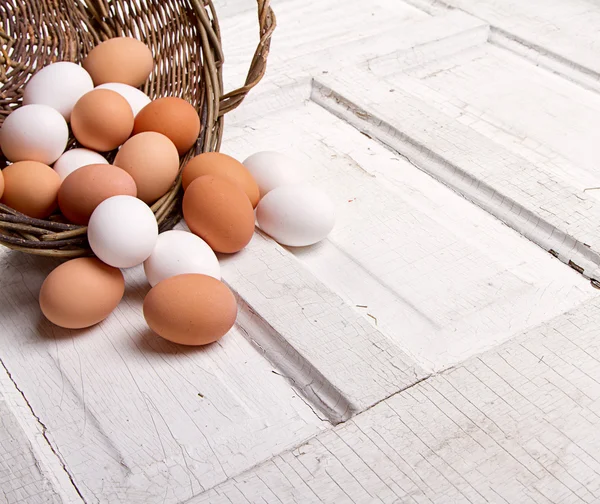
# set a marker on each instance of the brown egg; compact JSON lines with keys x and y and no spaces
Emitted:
{"x":153,"y":162}
{"x":224,"y":166}
{"x":1,"y":184}
{"x":190,"y":309}
{"x":102,"y":120}
{"x":120,"y":59}
{"x":84,"y":189}
{"x":174,"y":118}
{"x":31,"y":188}
{"x":219,"y":212}
{"x":81,"y":293}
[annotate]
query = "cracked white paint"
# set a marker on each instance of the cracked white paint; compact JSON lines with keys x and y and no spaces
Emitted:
{"x":413,"y":279}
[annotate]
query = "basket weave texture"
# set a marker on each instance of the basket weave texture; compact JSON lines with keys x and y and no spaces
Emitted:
{"x":185,"y":39}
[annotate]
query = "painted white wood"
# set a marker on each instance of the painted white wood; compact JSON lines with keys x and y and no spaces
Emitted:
{"x":558,"y":33}
{"x":30,"y":471}
{"x":413,"y":279}
{"x":516,"y":424}
{"x":132,"y":417}
{"x":441,"y":278}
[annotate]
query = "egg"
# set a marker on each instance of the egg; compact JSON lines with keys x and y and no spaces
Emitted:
{"x":137,"y":99}
{"x":102,"y":120}
{"x":224,"y":166}
{"x":219,"y":212}
{"x":178,"y":252}
{"x":81,"y":293}
{"x":174,"y":118}
{"x":83,"y":190}
{"x":120,"y":59}
{"x":296,"y":216}
{"x":272,"y":169}
{"x":122,"y":231}
{"x":31,"y":188}
{"x":74,"y":159}
{"x":59,"y":86}
{"x":1,"y":184}
{"x":153,"y":162}
{"x":190,"y":309}
{"x":34,"y":133}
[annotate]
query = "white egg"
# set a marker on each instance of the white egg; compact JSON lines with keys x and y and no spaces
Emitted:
{"x":177,"y":253}
{"x":272,"y":169}
{"x":137,"y":99}
{"x":76,"y":158}
{"x":297,"y":215}
{"x":59,"y":86}
{"x":34,"y":133}
{"x":122,"y":231}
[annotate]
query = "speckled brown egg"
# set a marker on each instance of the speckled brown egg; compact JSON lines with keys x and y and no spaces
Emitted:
{"x":219,"y":212}
{"x":81,"y":293}
{"x":84,"y":189}
{"x":190,"y":309}
{"x":224,"y":166}
{"x":174,"y":118}
{"x":120,"y":59}
{"x":153,"y":162}
{"x":31,"y":188}
{"x":102,"y":120}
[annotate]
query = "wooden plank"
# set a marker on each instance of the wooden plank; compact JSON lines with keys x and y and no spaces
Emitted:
{"x":532,"y":200}
{"x":560,"y":35}
{"x":134,"y":418}
{"x":439,"y":277}
{"x":22,"y":480}
{"x":516,"y":424}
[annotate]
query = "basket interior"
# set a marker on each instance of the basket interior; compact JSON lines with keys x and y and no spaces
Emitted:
{"x":184,"y":38}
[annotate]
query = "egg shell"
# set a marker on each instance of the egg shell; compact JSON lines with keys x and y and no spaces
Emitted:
{"x":174,"y":118}
{"x":31,"y":188}
{"x":178,"y":252}
{"x":59,"y":86}
{"x":102,"y":120}
{"x":120,"y":59}
{"x":136,"y":98}
{"x":74,"y":159}
{"x":224,"y":166}
{"x":83,"y":190}
{"x":296,"y":216}
{"x":272,"y":169}
{"x":1,"y":184}
{"x":153,"y":162}
{"x":190,"y":309}
{"x":219,"y":212}
{"x":34,"y":133}
{"x":122,"y":231}
{"x":81,"y":293}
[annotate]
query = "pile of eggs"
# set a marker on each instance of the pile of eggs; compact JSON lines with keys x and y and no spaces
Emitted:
{"x":223,"y":198}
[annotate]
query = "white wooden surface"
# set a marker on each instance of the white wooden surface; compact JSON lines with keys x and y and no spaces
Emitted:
{"x":458,"y":144}
{"x":517,"y":424}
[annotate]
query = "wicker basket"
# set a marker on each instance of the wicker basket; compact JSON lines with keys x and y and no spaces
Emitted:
{"x":185,"y":39}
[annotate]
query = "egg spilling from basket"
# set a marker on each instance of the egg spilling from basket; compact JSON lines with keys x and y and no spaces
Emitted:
{"x":117,"y":178}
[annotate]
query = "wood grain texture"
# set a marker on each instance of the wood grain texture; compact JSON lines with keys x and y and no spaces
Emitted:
{"x":516,"y":424}
{"x":21,"y":478}
{"x":135,"y":418}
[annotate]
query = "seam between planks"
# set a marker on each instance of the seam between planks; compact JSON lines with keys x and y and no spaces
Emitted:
{"x":44,"y":432}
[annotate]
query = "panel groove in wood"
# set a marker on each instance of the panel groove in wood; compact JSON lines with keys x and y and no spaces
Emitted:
{"x":410,"y":140}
